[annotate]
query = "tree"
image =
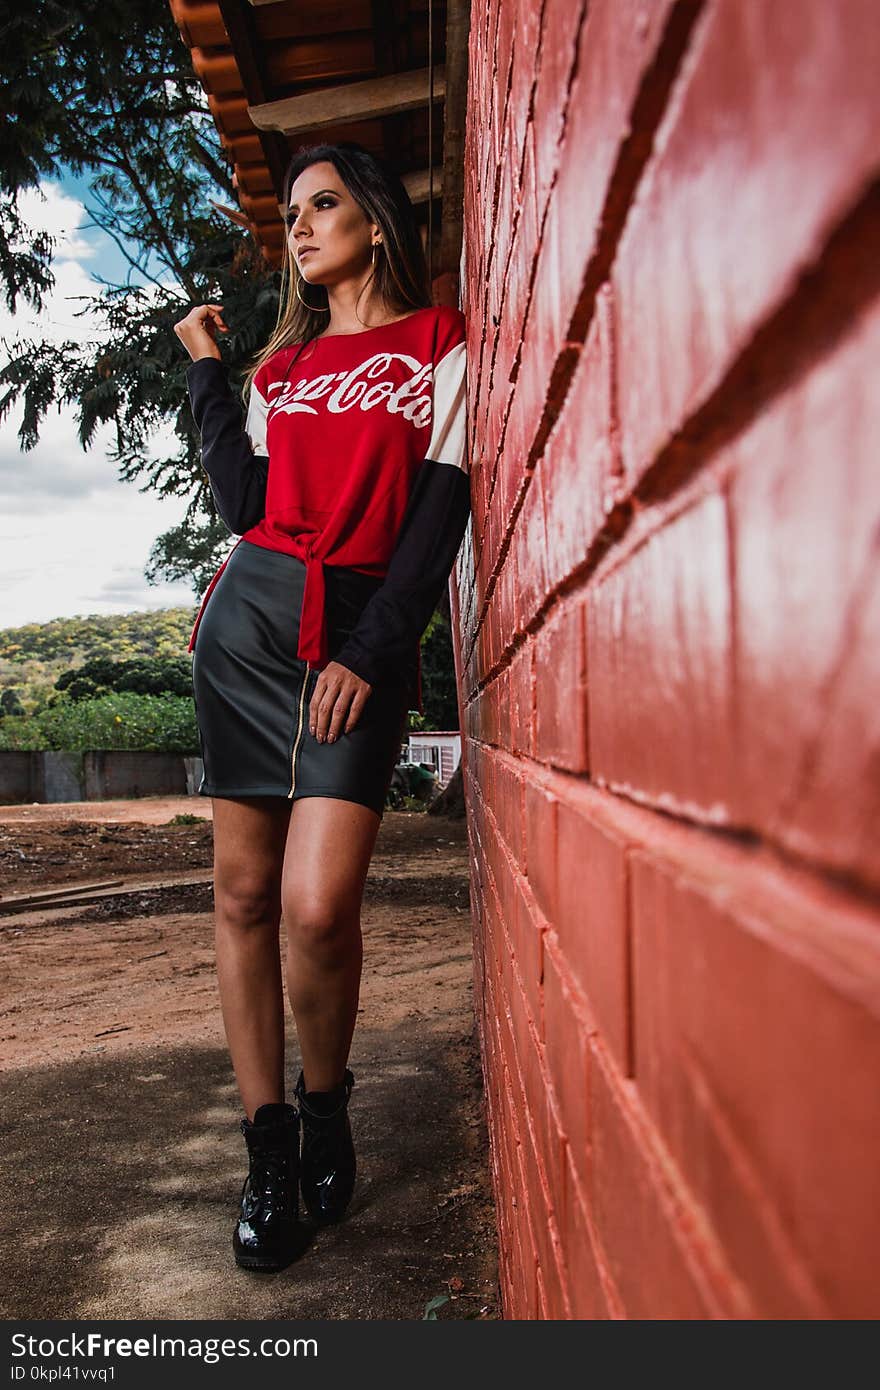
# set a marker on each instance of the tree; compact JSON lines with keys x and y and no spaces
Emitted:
{"x":108,"y":88}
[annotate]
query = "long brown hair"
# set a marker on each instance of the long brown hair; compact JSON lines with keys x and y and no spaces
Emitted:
{"x":401,"y":271}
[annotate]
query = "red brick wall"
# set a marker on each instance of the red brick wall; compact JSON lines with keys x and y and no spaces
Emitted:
{"x":668,"y":647}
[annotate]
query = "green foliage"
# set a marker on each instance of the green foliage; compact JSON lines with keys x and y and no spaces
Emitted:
{"x":168,"y":675}
{"x":37,"y":660}
{"x":10,"y":701}
{"x":438,"y":677}
{"x":108,"y":89}
{"x":161,"y":723}
{"x":163,"y":632}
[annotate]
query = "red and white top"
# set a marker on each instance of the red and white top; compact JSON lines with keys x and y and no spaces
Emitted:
{"x":353,"y":453}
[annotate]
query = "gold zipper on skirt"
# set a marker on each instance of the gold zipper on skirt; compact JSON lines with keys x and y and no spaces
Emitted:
{"x":298,"y":731}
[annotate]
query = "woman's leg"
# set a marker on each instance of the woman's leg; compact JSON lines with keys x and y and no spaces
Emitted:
{"x":329,"y":846}
{"x":249,"y":838}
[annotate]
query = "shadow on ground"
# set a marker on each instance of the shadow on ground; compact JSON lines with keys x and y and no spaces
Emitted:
{"x":123,"y":1176}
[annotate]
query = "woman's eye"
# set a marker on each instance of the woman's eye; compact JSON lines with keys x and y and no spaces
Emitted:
{"x":291,"y":217}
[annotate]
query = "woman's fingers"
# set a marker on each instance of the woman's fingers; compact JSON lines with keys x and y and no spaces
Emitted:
{"x":329,"y":717}
{"x":338,"y":700}
{"x":216,"y":312}
{"x":198,"y":329}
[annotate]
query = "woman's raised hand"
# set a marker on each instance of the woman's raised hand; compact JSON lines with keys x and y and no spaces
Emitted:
{"x":197,"y":330}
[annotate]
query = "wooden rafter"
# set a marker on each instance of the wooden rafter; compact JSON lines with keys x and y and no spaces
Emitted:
{"x":354,"y":101}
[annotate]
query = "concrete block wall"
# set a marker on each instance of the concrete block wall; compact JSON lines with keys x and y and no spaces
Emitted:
{"x":667,"y":617}
{"x":48,"y":775}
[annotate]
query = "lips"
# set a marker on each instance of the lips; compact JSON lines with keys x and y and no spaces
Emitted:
{"x":305,"y":251}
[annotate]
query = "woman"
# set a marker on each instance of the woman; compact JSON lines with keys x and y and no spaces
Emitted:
{"x":348,"y":488}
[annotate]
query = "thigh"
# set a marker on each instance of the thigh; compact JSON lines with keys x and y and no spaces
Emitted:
{"x":330,"y":843}
{"x":249,"y":840}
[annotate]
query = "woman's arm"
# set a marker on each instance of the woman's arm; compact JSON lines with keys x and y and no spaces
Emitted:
{"x":380,"y":649}
{"x":234,"y":453}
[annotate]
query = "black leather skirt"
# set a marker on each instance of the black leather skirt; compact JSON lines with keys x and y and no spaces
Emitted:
{"x":252,"y":692}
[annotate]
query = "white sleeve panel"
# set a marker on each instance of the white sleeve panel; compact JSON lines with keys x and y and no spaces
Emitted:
{"x":448,"y":442}
{"x":255,"y":425}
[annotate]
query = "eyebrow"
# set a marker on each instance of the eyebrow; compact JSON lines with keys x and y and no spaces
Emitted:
{"x":314,"y":196}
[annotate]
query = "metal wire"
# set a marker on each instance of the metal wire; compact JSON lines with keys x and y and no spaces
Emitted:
{"x":431,"y":147}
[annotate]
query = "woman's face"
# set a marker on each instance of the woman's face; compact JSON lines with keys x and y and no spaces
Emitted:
{"x":323,"y":214}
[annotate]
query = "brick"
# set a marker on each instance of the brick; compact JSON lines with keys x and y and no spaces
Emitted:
{"x":497,"y":866}
{"x":526,"y":933}
{"x":560,"y":656}
{"x":591,"y":922}
{"x":616,"y":44}
{"x":493,"y":929}
{"x":530,"y":1069}
{"x":576,"y":470}
{"x":767,"y":141}
{"x":647,"y":1260}
{"x":807,"y":588}
{"x":584,"y":1283}
{"x":525,"y":241}
{"x":567,"y":1057}
{"x":519,"y":1037}
{"x":529,"y":1233}
{"x":541,"y":856}
{"x":554,"y":1147}
{"x":520,"y":710}
{"x":542,"y":1297}
{"x":525,"y":57}
{"x":757,"y":1051}
{"x":659,"y":628}
{"x":507,"y":804}
{"x":561,"y":21}
{"x":507,"y":203}
{"x":548,"y":1255}
{"x":529,"y":543}
{"x":509,"y":613}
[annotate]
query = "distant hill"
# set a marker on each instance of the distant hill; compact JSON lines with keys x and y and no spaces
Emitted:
{"x":32,"y":657}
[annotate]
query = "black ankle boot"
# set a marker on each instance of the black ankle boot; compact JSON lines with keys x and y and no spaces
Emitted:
{"x":268,"y":1234}
{"x":327,"y":1162}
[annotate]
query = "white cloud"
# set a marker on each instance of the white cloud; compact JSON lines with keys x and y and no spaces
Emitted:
{"x":74,"y":538}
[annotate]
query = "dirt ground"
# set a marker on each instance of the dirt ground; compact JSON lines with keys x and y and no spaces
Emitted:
{"x":121,"y":1153}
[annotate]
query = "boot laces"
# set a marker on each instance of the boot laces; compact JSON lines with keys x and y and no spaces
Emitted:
{"x":321,"y":1137}
{"x":268,"y":1177}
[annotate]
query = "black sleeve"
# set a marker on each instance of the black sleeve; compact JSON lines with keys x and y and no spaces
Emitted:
{"x":236,"y":470}
{"x":381,"y":646}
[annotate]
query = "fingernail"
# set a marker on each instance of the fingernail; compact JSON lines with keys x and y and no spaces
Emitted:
{"x":331,"y":738}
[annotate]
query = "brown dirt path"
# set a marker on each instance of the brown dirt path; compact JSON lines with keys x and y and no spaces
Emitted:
{"x":121,"y":1152}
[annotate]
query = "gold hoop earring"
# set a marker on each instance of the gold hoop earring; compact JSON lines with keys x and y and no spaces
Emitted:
{"x":315,"y":308}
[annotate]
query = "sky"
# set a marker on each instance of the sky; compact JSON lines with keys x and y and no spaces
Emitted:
{"x":74,"y":539}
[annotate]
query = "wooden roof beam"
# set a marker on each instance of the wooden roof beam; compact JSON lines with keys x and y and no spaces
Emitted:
{"x":354,"y":101}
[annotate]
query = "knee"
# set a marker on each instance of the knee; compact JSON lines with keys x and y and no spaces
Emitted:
{"x":244,"y":901}
{"x":319,"y":927}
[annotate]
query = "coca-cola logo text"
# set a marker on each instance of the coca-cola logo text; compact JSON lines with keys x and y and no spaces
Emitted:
{"x":359,"y":388}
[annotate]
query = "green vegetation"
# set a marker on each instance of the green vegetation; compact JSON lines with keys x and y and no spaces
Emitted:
{"x":125,"y":681}
{"x":101,"y":681}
